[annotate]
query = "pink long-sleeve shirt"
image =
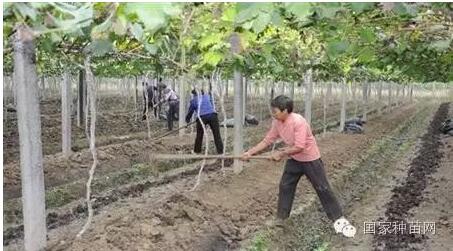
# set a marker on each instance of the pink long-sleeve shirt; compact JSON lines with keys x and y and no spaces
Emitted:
{"x":295,"y":131}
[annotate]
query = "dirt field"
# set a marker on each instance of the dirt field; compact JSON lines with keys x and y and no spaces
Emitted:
{"x":142,"y":204}
{"x":119,"y":148}
{"x":111,"y":120}
{"x":413,"y":192}
{"x":115,"y":130}
{"x":404,"y":181}
{"x":225,"y":209}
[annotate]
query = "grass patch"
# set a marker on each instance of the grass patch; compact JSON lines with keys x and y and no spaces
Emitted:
{"x":259,"y":243}
{"x":323,"y":246}
{"x":59,"y":196}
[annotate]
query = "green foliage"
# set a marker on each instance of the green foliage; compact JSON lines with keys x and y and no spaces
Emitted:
{"x":249,"y":11}
{"x":210,"y":40}
{"x":212,"y":58}
{"x":367,"y":35}
{"x":405,"y":9}
{"x":366,"y":55}
{"x":441,"y":45}
{"x":100,"y":47}
{"x":153,"y":15}
{"x":259,"y":243}
{"x":323,"y":247}
{"x":328,"y":10}
{"x":336,"y":48}
{"x":361,"y":7}
{"x":301,"y":10}
{"x":404,"y":42}
{"x":79,"y":16}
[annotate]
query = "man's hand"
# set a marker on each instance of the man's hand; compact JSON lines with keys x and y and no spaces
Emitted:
{"x":246,"y":156}
{"x":278,"y":155}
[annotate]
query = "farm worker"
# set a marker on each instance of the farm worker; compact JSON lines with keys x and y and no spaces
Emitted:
{"x":172,"y":98}
{"x":209,"y":117}
{"x":304,"y":158}
{"x":149,"y":98}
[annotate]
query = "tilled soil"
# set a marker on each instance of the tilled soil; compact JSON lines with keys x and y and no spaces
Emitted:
{"x":384,"y":171}
{"x":115,"y":118}
{"x":437,"y":202}
{"x":109,"y":123}
{"x":409,"y":194}
{"x":73,"y":211}
{"x":115,"y":134}
{"x":220,"y":213}
{"x":115,"y":157}
{"x":309,"y":228}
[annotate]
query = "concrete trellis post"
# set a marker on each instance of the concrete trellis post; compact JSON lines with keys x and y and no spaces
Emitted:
{"x":238,"y":106}
{"x":343,"y":105}
{"x":66,"y":115}
{"x":29,"y":124}
{"x":308,"y":79}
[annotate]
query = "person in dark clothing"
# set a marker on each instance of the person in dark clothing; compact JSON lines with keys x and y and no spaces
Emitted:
{"x":204,"y":107}
{"x":172,"y":98}
{"x":149,"y":98}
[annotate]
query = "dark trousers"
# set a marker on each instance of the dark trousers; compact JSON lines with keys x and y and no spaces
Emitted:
{"x":314,"y":170}
{"x":213,"y":122}
{"x":150,"y":106}
{"x":172,"y":111}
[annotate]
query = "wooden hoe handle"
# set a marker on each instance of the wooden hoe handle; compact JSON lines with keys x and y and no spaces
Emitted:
{"x":201,"y":156}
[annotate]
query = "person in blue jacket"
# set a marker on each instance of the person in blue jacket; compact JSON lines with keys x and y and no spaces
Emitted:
{"x":209,"y":117}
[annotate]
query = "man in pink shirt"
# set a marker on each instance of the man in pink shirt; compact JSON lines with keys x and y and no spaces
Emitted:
{"x":303,"y":159}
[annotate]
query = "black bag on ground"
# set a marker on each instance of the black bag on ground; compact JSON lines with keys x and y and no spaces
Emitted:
{"x":447,"y":127}
{"x":229,"y":123}
{"x":251,"y":120}
{"x":357,"y":121}
{"x":353,"y":129}
{"x":354,"y":126}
